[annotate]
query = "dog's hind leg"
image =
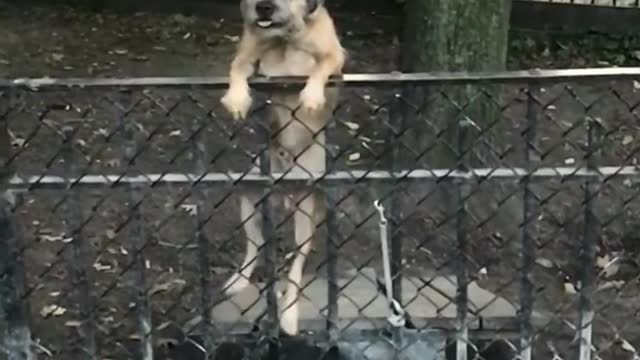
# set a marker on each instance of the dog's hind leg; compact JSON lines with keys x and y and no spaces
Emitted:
{"x":251,"y":217}
{"x":304,"y":231}
{"x":305,"y":219}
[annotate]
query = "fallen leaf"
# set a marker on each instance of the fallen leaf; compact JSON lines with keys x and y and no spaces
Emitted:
{"x":354,"y":157}
{"x":50,"y":238}
{"x":191,"y":209}
{"x":545,"y":263}
{"x":17,"y":142}
{"x":611,"y":285}
{"x":163,"y":326}
{"x":232,"y":38}
{"x":140,"y":58}
{"x":628,"y":139}
{"x":175,"y":133}
{"x":351,"y":125}
{"x":570,"y":289}
{"x":627,"y":346}
{"x":110,"y":234}
{"x":602,"y":261}
{"x":101,"y":267}
{"x":73,"y":323}
{"x":570,"y":161}
{"x":609,"y":267}
{"x":175,"y":283}
{"x":52,"y":310}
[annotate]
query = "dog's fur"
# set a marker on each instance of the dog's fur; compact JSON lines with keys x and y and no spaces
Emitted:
{"x":298,"y":39}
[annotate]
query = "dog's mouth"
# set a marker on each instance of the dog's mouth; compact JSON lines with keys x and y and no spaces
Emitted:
{"x":267,"y":24}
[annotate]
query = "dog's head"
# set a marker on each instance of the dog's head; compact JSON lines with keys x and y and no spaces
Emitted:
{"x":273,"y":18}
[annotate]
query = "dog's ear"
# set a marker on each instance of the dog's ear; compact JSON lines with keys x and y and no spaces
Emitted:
{"x":312,"y":5}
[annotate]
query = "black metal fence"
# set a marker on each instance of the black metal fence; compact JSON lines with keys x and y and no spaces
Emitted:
{"x":511,"y":199}
{"x":616,"y":3}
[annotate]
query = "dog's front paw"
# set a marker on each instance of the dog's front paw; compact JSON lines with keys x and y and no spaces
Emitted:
{"x":237,"y":101}
{"x":312,"y":97}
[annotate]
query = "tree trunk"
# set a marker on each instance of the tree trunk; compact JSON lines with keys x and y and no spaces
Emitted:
{"x":452,"y":35}
{"x":445,"y":123}
{"x":456,"y":35}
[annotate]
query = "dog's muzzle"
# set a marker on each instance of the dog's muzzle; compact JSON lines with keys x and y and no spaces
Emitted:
{"x":265,"y":10}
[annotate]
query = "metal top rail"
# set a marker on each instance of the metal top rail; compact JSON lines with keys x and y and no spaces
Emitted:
{"x":392,"y":78}
{"x":18,"y":182}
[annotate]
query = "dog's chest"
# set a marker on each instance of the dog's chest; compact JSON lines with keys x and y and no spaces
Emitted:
{"x":286,"y":61}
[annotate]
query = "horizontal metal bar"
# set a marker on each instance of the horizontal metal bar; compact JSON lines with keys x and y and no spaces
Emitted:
{"x":339,"y":176}
{"x":318,"y":325}
{"x":393,"y":78}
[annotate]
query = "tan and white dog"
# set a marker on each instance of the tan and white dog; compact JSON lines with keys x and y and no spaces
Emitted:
{"x":287,"y":38}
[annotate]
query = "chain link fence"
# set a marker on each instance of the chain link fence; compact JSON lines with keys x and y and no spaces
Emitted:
{"x":511,"y":200}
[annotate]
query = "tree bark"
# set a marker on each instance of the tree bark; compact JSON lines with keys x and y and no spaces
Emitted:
{"x":452,"y":35}
{"x":445,"y":122}
{"x":456,"y":35}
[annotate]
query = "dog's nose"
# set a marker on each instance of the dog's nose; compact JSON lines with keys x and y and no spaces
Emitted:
{"x":265,"y":8}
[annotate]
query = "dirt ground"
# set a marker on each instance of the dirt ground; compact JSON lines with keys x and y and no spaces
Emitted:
{"x":62,"y":42}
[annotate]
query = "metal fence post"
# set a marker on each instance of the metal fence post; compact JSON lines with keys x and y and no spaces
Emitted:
{"x":13,"y":306}
{"x":200,"y":156}
{"x":77,"y":260}
{"x":270,"y":246}
{"x":586,"y":254}
{"x":462,"y":278}
{"x":134,"y":138}
{"x":396,"y":123}
{"x":530,"y":214}
{"x":330,"y":194}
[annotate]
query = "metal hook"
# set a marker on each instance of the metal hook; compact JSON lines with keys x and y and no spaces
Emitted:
{"x":380,"y":208}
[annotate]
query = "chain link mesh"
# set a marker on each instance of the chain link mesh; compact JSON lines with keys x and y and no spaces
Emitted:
{"x":512,"y":206}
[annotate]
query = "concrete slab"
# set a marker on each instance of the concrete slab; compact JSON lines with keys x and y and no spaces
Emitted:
{"x":360,"y":305}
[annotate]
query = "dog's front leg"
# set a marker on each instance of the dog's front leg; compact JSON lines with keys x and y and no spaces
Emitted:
{"x":329,"y":63}
{"x":237,"y":100}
